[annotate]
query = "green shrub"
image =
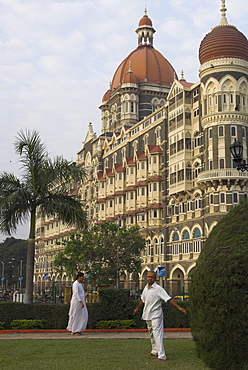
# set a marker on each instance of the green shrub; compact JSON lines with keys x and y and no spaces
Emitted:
{"x":27,"y":324}
{"x":115,"y":304}
{"x":2,"y":325}
{"x":116,"y":324}
{"x":218,"y":294}
{"x":56,"y":315}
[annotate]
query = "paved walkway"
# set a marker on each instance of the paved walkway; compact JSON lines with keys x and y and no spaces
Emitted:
{"x":93,"y":335}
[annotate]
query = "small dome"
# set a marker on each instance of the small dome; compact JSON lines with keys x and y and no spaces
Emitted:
{"x":224,"y":41}
{"x":130,"y":78}
{"x":106,"y":96}
{"x":145,"y":21}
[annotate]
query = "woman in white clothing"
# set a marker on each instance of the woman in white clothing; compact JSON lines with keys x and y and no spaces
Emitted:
{"x":78,"y":313}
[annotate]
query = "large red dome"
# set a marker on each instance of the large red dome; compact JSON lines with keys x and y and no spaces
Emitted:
{"x":224,"y":41}
{"x":148,"y":65}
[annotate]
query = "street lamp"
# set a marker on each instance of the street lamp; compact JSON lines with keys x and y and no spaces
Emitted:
{"x":236,"y":149}
{"x":20,"y":276}
{"x":2,"y":278}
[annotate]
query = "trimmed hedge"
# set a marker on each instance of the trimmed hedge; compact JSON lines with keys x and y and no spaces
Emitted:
{"x":116,"y":324}
{"x":115,"y":304}
{"x":28,"y":324}
{"x":2,"y":325}
{"x":56,"y":316}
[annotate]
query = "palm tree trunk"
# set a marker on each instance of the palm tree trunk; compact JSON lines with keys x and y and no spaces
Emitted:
{"x":29,"y":271}
{"x":30,"y":261}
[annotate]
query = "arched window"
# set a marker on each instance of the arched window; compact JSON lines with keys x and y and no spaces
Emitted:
{"x":196,"y":233}
{"x":175,"y":237}
{"x":189,"y":202}
{"x":222,"y":163}
{"x":185,"y":244}
{"x":197,"y":242}
{"x":197,"y":201}
{"x":132,"y":107}
{"x":161,"y":245}
{"x":185,"y":235}
{"x":155,"y":104}
{"x":235,"y":197}
{"x":196,"y":169}
{"x":157,"y":133}
{"x":222,"y":198}
{"x":156,"y":245}
{"x":233,"y":131}
{"x":211,"y":198}
{"x":221,"y":131}
{"x":149,"y":247}
{"x":210,"y":133}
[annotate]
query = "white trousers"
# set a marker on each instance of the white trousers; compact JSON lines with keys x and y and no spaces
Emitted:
{"x":156,"y":331}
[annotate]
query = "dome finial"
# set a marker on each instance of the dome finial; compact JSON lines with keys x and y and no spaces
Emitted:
{"x":145,"y":12}
{"x":223,"y":20}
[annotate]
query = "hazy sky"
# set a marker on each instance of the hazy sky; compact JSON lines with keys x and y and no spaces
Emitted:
{"x":58,"y":57}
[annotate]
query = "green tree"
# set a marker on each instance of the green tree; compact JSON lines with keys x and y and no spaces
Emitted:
{"x":101,"y":252}
{"x":44,"y":186}
{"x":218,"y":294}
{"x":13,"y":254}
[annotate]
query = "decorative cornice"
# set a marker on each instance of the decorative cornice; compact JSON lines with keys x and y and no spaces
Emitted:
{"x":220,"y":65}
{"x":216,"y":118}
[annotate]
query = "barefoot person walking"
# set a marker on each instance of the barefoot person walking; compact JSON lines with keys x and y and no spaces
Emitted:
{"x":151,"y":298}
{"x":78,"y":313}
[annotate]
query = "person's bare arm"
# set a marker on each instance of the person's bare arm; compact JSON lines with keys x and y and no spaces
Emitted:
{"x":141,"y":303}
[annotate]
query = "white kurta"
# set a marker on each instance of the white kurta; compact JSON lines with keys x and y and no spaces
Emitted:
{"x":78,"y":316}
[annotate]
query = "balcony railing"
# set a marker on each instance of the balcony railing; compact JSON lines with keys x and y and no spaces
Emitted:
{"x":221,"y":174}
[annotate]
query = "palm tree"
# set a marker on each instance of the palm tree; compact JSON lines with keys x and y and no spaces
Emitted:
{"x":44,"y":185}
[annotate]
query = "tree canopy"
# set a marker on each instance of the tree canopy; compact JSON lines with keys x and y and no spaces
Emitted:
{"x":13,"y":254}
{"x":218,"y":294}
{"x":44,"y":185}
{"x":101,"y":252}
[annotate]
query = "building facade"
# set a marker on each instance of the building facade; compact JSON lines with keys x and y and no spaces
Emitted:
{"x":162,"y":160}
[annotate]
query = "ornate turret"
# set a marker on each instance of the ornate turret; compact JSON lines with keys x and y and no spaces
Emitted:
{"x":145,"y":30}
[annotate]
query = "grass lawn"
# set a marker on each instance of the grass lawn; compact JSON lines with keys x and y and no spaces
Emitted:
{"x":95,"y":354}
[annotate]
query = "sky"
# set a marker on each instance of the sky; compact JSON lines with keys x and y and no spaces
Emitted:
{"x":57,"y":59}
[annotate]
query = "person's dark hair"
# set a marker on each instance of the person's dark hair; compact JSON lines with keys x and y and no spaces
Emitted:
{"x":152,"y":272}
{"x":79,"y":275}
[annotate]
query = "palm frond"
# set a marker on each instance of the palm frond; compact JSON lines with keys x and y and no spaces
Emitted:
{"x":62,"y":172}
{"x":66,"y":207}
{"x":15,"y":203}
{"x":32,"y":152}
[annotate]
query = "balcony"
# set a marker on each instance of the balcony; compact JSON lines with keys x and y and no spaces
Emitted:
{"x":180,"y":186}
{"x":229,"y":173}
{"x":227,"y":177}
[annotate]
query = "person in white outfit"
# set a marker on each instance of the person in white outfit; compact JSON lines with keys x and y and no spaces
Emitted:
{"x":151,"y":298}
{"x":78,"y":313}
